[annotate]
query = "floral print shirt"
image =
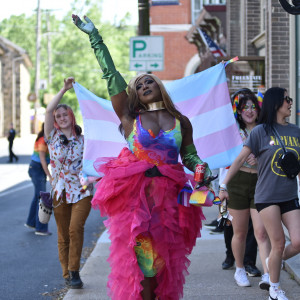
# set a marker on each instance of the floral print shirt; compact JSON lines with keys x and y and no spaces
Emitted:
{"x":70,"y":173}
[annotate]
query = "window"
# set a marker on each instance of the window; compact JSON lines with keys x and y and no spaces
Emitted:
{"x":197,"y":6}
{"x":165,"y":2}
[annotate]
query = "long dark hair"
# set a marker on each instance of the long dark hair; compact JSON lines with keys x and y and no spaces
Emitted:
{"x":242,"y":102}
{"x":244,"y":95}
{"x":41,"y":133}
{"x":273,"y":100}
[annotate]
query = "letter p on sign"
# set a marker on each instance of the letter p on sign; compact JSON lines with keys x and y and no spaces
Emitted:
{"x":138,"y":45}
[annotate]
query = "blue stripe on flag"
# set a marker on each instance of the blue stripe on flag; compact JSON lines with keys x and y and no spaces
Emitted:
{"x":196,"y":84}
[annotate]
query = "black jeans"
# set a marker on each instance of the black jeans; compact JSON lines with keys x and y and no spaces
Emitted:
{"x":11,"y":154}
{"x":251,"y":244}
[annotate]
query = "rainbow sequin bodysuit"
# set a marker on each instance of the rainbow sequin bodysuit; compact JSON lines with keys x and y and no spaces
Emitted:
{"x":161,"y":149}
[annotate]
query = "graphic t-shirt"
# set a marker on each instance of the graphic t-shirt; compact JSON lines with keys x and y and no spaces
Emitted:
{"x":272,"y":184}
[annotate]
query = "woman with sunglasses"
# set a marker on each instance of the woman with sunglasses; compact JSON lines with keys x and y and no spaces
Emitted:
{"x":71,"y":203}
{"x":276,"y":196}
{"x":241,"y":193}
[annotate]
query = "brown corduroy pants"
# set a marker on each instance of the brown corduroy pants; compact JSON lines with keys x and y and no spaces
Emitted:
{"x":70,"y":220}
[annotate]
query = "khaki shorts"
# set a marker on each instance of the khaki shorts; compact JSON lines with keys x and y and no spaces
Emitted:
{"x":241,"y":190}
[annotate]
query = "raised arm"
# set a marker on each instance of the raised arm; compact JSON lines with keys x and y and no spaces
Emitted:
{"x":49,"y":119}
{"x":188,"y":151}
{"x":116,"y":84}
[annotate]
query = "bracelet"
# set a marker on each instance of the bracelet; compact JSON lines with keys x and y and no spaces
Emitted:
{"x":223,"y":186}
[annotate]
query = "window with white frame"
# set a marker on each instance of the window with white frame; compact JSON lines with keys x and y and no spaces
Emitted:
{"x":197,"y":6}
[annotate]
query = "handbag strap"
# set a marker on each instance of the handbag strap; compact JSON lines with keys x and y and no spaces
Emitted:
{"x":57,"y":176}
{"x":279,"y":139}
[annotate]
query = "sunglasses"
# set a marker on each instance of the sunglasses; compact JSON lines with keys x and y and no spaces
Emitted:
{"x":64,"y":140}
{"x":248,"y":108}
{"x":288,"y":100}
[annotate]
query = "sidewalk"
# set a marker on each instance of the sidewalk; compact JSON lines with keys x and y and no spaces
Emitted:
{"x":207,"y":280}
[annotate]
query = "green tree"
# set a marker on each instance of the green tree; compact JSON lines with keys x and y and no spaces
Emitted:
{"x":71,"y":51}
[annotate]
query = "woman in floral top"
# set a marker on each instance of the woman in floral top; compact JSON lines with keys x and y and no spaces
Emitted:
{"x":71,"y":204}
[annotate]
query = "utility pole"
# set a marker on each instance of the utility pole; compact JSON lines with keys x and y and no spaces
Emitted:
{"x":49,"y":50}
{"x":37,"y":64}
{"x":144,"y":27}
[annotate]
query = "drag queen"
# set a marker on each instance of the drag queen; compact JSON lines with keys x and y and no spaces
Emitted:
{"x":151,"y":233}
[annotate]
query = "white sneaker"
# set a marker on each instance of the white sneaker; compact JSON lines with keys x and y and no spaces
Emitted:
{"x":264,"y":284}
{"x":277,"y":294}
{"x":241,"y":278}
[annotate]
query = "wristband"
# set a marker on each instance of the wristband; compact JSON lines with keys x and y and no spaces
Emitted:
{"x":223,"y":187}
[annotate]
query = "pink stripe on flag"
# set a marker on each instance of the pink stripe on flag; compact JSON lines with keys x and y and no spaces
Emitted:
{"x":94,"y":110}
{"x":104,"y":149}
{"x":215,"y":98}
{"x":218,"y":142}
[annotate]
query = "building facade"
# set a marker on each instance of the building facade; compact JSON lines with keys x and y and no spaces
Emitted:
{"x":260,"y":32}
{"x":14,"y":88}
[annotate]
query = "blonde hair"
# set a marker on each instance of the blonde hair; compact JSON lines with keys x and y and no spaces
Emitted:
{"x":135,"y":105}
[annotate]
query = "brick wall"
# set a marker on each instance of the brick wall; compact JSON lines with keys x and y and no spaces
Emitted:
{"x":233,"y":44}
{"x":171,"y":14}
{"x":253,"y":24}
{"x":178,"y":51}
{"x":278,"y":52}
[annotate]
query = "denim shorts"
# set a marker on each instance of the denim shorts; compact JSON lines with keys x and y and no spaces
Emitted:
{"x":284,"y":206}
{"x":241,"y":189}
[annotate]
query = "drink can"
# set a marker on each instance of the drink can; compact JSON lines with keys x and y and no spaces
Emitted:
{"x":199,"y":172}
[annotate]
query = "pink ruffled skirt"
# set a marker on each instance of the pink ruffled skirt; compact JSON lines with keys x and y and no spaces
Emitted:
{"x":136,"y":204}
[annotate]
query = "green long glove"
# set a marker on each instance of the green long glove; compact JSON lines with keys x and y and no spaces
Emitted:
{"x":191,"y":159}
{"x":115,"y":82}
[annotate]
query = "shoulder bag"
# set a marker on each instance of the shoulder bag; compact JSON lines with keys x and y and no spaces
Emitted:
{"x":288,"y":161}
{"x":46,"y":200}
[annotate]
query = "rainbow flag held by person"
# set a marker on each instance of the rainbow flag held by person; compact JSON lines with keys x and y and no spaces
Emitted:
{"x":235,"y":105}
{"x":202,"y":97}
{"x":260,"y":98}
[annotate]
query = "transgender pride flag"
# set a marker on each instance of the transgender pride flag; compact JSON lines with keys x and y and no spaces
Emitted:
{"x":203,"y":97}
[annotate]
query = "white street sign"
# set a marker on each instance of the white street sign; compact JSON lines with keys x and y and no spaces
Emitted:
{"x":146,"y":53}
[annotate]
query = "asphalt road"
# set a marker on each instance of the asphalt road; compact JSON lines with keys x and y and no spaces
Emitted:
{"x":29,"y":265}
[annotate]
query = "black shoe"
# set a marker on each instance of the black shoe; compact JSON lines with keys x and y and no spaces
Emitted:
{"x":217,"y":230}
{"x":76,"y":282}
{"x":252,"y":271}
{"x":228,"y":263}
{"x":68,"y":281}
{"x":212,"y":225}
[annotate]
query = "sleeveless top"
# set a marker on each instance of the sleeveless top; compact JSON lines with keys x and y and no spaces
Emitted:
{"x":244,"y":135}
{"x":158,"y":150}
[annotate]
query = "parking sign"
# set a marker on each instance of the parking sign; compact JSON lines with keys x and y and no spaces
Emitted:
{"x":147,"y":53}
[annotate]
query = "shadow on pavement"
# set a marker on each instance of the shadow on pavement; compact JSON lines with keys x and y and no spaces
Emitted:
{"x":23,"y":159}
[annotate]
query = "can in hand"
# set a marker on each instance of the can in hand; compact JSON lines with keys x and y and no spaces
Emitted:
{"x":200,"y":172}
{"x":223,"y":207}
